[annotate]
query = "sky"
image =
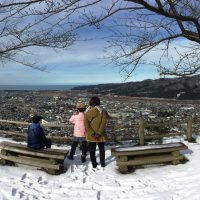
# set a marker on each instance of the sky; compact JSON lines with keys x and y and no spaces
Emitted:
{"x":81,"y":63}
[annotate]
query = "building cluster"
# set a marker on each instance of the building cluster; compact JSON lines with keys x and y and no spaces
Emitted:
{"x":56,"y":107}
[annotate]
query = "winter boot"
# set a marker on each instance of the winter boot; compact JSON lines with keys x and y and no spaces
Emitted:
{"x":70,"y":157}
{"x":83,"y":159}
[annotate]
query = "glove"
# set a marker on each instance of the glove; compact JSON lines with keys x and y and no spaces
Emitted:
{"x":95,"y":136}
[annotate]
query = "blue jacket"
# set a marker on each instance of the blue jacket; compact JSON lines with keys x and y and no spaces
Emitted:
{"x":36,"y":138}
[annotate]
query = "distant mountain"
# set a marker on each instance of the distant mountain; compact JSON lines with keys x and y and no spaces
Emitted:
{"x":176,"y":88}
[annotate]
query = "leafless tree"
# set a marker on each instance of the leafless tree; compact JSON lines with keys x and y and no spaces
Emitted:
{"x":142,"y":30}
{"x":147,"y":31}
{"x":37,"y":23}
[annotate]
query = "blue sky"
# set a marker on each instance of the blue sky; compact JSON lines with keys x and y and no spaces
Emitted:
{"x":81,"y":63}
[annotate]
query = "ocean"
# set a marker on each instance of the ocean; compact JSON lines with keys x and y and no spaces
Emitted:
{"x":36,"y":87}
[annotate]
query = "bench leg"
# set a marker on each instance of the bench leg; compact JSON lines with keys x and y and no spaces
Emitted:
{"x":175,"y":162}
{"x":123,"y":168}
{"x":175,"y":154}
{"x":5,"y":161}
{"x":51,"y":171}
{"x":122,"y":158}
{"x":2,"y":161}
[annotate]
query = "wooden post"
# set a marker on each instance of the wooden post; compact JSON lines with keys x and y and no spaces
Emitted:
{"x":189,"y":129}
{"x":2,"y":161}
{"x":123,"y":169}
{"x":141,"y":131}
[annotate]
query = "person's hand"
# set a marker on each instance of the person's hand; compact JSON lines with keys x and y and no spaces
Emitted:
{"x":96,"y":136}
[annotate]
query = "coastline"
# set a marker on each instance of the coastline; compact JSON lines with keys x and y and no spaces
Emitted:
{"x":35,"y":87}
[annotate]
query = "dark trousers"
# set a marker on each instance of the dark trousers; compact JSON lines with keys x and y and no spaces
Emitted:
{"x":48,"y":143}
{"x":75,"y":144}
{"x":92,"y":147}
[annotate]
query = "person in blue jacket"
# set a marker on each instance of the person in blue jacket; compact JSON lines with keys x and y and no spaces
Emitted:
{"x":36,"y":138}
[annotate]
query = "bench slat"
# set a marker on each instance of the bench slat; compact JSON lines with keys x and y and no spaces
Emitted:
{"x":150,"y":160}
{"x":47,"y":153}
{"x":151,"y":149}
{"x":25,"y":146}
{"x":34,"y":153}
{"x":31,"y":162}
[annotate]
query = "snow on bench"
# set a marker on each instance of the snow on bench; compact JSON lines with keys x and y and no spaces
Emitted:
{"x":49,"y":159}
{"x":143,"y":155}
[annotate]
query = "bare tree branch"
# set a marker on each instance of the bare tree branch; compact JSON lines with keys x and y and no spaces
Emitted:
{"x":143,"y":31}
{"x":39,"y":23}
{"x":147,"y":26}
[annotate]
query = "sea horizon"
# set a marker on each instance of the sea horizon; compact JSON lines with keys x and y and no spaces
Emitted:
{"x":39,"y":87}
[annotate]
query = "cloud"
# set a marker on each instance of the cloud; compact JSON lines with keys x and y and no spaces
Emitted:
{"x":79,"y":64}
{"x":79,"y":54}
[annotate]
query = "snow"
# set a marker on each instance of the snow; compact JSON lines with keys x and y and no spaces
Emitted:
{"x":80,"y":181}
{"x":147,"y":147}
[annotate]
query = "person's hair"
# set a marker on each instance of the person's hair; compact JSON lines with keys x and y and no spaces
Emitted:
{"x":36,"y":119}
{"x":81,"y":109}
{"x":94,"y":101}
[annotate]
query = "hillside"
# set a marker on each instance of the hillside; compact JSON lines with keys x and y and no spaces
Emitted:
{"x":176,"y":88}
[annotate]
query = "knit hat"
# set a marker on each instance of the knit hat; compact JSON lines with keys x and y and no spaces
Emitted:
{"x":80,"y":105}
{"x":36,"y":118}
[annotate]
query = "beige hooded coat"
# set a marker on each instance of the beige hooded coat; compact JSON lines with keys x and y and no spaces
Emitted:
{"x":95,"y":121}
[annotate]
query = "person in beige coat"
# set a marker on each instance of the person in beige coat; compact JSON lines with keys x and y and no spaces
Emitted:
{"x":95,"y":123}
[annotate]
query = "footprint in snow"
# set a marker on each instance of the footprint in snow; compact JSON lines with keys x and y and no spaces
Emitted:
{"x":39,"y":179}
{"x":14,"y":191}
{"x":23,"y":177}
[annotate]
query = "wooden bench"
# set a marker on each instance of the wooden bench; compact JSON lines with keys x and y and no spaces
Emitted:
{"x":143,"y":155}
{"x":51,"y":160}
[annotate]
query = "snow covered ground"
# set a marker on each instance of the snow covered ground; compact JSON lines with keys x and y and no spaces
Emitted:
{"x":166,"y":182}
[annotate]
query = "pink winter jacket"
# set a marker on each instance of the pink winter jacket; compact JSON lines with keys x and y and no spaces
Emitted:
{"x":78,"y":121}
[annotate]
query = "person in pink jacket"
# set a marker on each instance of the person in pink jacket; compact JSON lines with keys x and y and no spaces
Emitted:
{"x":77,"y":120}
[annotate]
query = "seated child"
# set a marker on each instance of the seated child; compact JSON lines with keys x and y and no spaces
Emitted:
{"x":36,"y":138}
